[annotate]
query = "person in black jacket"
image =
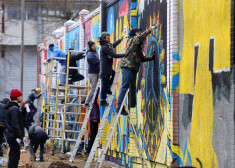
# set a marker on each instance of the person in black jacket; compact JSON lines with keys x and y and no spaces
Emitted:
{"x":37,"y":136}
{"x":36,"y":94}
{"x":93,"y":70}
{"x":15,"y":127}
{"x":73,"y":73}
{"x":2,"y":121}
{"x":106,"y":62}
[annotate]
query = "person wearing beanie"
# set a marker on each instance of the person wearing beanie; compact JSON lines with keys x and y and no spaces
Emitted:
{"x":73,"y":73}
{"x":15,"y":127}
{"x":93,"y":70}
{"x":131,"y":63}
{"x":3,"y":103}
{"x":58,"y":53}
{"x":107,"y":54}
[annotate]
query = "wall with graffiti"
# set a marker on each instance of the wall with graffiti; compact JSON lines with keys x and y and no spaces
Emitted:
{"x":92,"y":30}
{"x":206,"y":88}
{"x":152,"y":115}
{"x":183,"y":105}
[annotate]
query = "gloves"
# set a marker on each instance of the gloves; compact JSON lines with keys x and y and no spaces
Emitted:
{"x":27,"y":107}
{"x":20,"y":141}
{"x":154,"y":26}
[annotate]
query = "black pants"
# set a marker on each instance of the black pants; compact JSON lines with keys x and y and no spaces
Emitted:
{"x":33,"y":149}
{"x":14,"y":154}
{"x":76,"y":77}
{"x":94,"y":130}
{"x":106,"y":84}
{"x":1,"y":139}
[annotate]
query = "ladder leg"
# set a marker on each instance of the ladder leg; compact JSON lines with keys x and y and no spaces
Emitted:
{"x":110,"y":134}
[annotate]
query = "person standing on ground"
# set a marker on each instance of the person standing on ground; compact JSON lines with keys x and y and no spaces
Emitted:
{"x":94,"y":122}
{"x":36,"y":94}
{"x":106,"y":62}
{"x":15,"y":127}
{"x":93,"y":70}
{"x":2,"y":121}
{"x":58,"y":53}
{"x":131,"y":63}
{"x":37,"y":136}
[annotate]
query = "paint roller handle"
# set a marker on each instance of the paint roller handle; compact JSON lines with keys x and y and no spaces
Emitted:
{"x":154,"y":26}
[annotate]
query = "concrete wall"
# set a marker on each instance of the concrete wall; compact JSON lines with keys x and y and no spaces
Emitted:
{"x":10,"y":67}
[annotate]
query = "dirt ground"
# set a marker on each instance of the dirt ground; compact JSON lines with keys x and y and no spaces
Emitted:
{"x":79,"y":161}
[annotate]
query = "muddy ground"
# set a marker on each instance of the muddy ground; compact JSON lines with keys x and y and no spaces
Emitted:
{"x":79,"y":162}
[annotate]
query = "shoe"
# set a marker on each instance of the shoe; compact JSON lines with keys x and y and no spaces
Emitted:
{"x":62,"y":101}
{"x":103,"y":103}
{"x":86,"y":105}
{"x":109,"y":92}
{"x":61,"y":85}
{"x":70,"y":82}
{"x":123,"y":112}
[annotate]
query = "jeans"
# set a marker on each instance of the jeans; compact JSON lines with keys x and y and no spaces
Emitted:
{"x":106,"y":83}
{"x":76,"y":77}
{"x":14,"y":154}
{"x":33,"y":148}
{"x":128,"y":78}
{"x":93,"y":82}
{"x":62,"y":76}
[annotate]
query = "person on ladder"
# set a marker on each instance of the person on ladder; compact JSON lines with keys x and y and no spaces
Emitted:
{"x":36,"y":94}
{"x":131,"y":63}
{"x":73,"y":73}
{"x":93,"y":70}
{"x":60,"y":54}
{"x":107,"y":54}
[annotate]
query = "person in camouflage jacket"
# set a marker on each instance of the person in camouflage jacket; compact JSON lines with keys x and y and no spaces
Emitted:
{"x":131,"y":63}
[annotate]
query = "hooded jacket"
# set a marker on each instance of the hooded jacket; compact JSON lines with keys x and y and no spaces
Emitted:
{"x":57,"y":52}
{"x":37,"y":135}
{"x":3,"y":112}
{"x":14,"y":121}
{"x":134,"y":54}
{"x":32,"y":97}
{"x":73,"y":61}
{"x":93,"y":62}
{"x":106,"y":57}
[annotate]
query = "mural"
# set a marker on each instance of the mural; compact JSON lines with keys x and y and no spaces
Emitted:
{"x":92,"y":30}
{"x":193,"y":87}
{"x":205,"y":87}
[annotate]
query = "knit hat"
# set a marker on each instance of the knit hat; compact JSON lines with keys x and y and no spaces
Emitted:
{"x":133,"y":31}
{"x":51,"y":45}
{"x":103,"y":35}
{"x":90,"y":43}
{"x":15,"y":93}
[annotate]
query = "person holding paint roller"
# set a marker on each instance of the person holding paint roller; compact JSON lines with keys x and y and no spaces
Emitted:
{"x":131,"y":63}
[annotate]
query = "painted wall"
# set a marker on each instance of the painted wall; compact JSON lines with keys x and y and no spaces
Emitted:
{"x":206,"y":88}
{"x":185,"y":97}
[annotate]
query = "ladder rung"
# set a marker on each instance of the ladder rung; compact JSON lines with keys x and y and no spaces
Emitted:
{"x":61,"y":130}
{"x":59,"y":121}
{"x":77,"y":51}
{"x":74,"y":140}
{"x":67,"y":104}
{"x":78,"y":68}
{"x":58,"y":58}
{"x":67,"y":113}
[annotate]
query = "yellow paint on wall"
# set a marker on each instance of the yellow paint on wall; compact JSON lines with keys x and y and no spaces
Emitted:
{"x":203,"y":20}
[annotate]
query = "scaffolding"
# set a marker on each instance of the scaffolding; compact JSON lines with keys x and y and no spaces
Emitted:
{"x":62,"y":105}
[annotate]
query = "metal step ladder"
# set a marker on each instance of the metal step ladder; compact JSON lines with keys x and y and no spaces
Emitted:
{"x":111,"y":132}
{"x":84,"y":124}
